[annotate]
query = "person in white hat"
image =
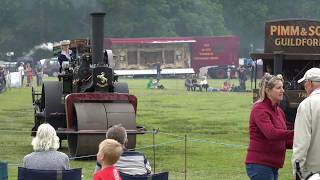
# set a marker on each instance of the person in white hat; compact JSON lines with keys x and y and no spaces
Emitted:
{"x":66,"y":53}
{"x":306,"y":142}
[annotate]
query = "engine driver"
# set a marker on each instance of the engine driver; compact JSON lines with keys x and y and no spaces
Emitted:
{"x":66,"y":53}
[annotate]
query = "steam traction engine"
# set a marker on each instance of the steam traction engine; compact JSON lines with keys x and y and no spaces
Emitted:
{"x":86,"y":100}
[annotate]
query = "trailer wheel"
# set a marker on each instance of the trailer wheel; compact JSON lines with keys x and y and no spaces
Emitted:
{"x":221,"y":73}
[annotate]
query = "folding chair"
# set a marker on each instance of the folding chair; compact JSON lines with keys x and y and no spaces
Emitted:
{"x":35,"y":174}
{"x":3,"y":171}
{"x":158,"y":176}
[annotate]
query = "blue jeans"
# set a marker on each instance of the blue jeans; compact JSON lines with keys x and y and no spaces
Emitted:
{"x":261,"y":172}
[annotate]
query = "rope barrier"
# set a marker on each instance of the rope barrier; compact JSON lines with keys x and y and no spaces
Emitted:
{"x":16,"y":131}
{"x":180,"y":139}
{"x":157,"y":131}
{"x":144,"y":147}
{"x":219,"y":143}
{"x":98,"y":131}
{"x":170,"y":134}
{"x":161,"y":144}
{"x":158,"y":145}
{"x":82,"y":157}
{"x":206,"y":141}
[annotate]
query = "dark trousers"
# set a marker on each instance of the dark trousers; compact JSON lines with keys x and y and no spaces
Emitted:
{"x":22,"y":77}
{"x":39,"y":79}
{"x":261,"y":172}
{"x":242,"y":84}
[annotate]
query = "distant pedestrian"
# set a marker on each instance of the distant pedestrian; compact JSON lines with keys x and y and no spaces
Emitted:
{"x":242,"y":77}
{"x":158,"y":67}
{"x":39,"y":73}
{"x":21,"y":70}
{"x":29,"y":74}
{"x":229,"y":73}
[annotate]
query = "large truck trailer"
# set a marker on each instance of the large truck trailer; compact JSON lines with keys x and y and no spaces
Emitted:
{"x":175,"y":52}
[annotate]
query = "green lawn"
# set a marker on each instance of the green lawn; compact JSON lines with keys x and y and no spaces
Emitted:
{"x":215,"y":125}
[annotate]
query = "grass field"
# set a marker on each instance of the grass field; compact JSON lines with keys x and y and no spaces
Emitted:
{"x":215,"y":125}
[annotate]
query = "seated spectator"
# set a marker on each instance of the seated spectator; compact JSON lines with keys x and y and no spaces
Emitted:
{"x":130,"y":162}
{"x":156,"y":84}
{"x":195,"y":85}
{"x":235,"y":88}
{"x":45,"y":155}
{"x":109,"y":153}
{"x":226,"y":86}
{"x":188,"y":84}
{"x":149,"y":84}
{"x":204,"y":83}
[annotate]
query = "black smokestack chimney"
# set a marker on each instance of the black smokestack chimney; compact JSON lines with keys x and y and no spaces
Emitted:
{"x":97,"y":37}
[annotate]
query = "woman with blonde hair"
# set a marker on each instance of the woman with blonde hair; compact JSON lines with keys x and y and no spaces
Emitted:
{"x":269,"y":137}
{"x":45,"y":155}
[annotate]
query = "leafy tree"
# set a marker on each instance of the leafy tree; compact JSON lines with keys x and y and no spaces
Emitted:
{"x":146,"y":18}
{"x":33,"y":22}
{"x":26,"y":24}
{"x":7,"y":20}
{"x":246,"y":19}
{"x":198,"y":18}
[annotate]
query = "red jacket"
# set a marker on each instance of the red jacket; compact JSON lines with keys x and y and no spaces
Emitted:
{"x":269,"y":137}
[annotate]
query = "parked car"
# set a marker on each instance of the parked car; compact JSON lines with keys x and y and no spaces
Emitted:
{"x":51,"y":67}
{"x":221,"y":72}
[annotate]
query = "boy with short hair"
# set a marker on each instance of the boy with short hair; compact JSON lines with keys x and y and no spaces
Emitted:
{"x":109,"y":153}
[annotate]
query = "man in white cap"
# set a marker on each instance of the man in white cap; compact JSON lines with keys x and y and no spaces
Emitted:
{"x":66,"y":53}
{"x":306,"y":142}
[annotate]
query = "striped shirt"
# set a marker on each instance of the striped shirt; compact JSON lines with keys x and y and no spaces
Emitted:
{"x":132,"y":162}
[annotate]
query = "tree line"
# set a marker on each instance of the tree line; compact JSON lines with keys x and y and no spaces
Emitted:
{"x":25,"y":24}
